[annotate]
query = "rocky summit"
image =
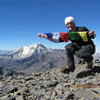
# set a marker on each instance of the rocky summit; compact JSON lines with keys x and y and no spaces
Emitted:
{"x":82,"y":84}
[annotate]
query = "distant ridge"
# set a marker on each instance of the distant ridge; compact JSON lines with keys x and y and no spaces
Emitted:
{"x":35,"y":58}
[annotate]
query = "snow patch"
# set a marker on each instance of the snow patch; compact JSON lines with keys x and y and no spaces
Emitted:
{"x":26,"y":50}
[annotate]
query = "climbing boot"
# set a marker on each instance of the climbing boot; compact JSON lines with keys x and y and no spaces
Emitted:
{"x":67,"y":69}
{"x":89,"y":65}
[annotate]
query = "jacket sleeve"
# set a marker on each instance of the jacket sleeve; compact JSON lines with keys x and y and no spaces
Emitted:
{"x":93,"y":36}
{"x":85,"y":29}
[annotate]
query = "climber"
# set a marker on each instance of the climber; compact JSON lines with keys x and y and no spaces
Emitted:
{"x":83,"y":47}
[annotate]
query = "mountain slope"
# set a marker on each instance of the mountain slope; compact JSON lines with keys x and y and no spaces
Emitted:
{"x":33,"y":58}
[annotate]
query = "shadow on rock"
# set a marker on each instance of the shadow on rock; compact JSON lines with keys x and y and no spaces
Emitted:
{"x":91,"y":72}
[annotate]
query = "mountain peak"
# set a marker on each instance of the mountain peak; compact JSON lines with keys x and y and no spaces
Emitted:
{"x":27,"y":51}
{"x":37,"y":44}
{"x":31,"y":48}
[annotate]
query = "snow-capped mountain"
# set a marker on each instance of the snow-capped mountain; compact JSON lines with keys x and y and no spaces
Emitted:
{"x":36,"y":48}
{"x":33,"y":58}
{"x":27,"y":51}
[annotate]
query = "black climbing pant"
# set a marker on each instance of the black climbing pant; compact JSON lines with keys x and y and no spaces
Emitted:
{"x":85,"y":52}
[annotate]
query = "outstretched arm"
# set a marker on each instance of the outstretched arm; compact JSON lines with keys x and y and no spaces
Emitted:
{"x":44,"y":36}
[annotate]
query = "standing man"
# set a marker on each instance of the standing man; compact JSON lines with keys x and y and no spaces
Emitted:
{"x":78,"y":47}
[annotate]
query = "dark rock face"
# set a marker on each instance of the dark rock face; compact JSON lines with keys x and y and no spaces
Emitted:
{"x":82,"y":84}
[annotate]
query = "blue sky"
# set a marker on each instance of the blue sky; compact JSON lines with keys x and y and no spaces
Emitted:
{"x":21,"y":20}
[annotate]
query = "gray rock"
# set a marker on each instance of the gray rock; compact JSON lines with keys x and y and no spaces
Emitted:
{"x":10,"y":88}
{"x":70,"y":96}
{"x":96,"y":90}
{"x":20,"y":97}
{"x":83,"y":93}
{"x":52,"y":83}
{"x":28,"y":78}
